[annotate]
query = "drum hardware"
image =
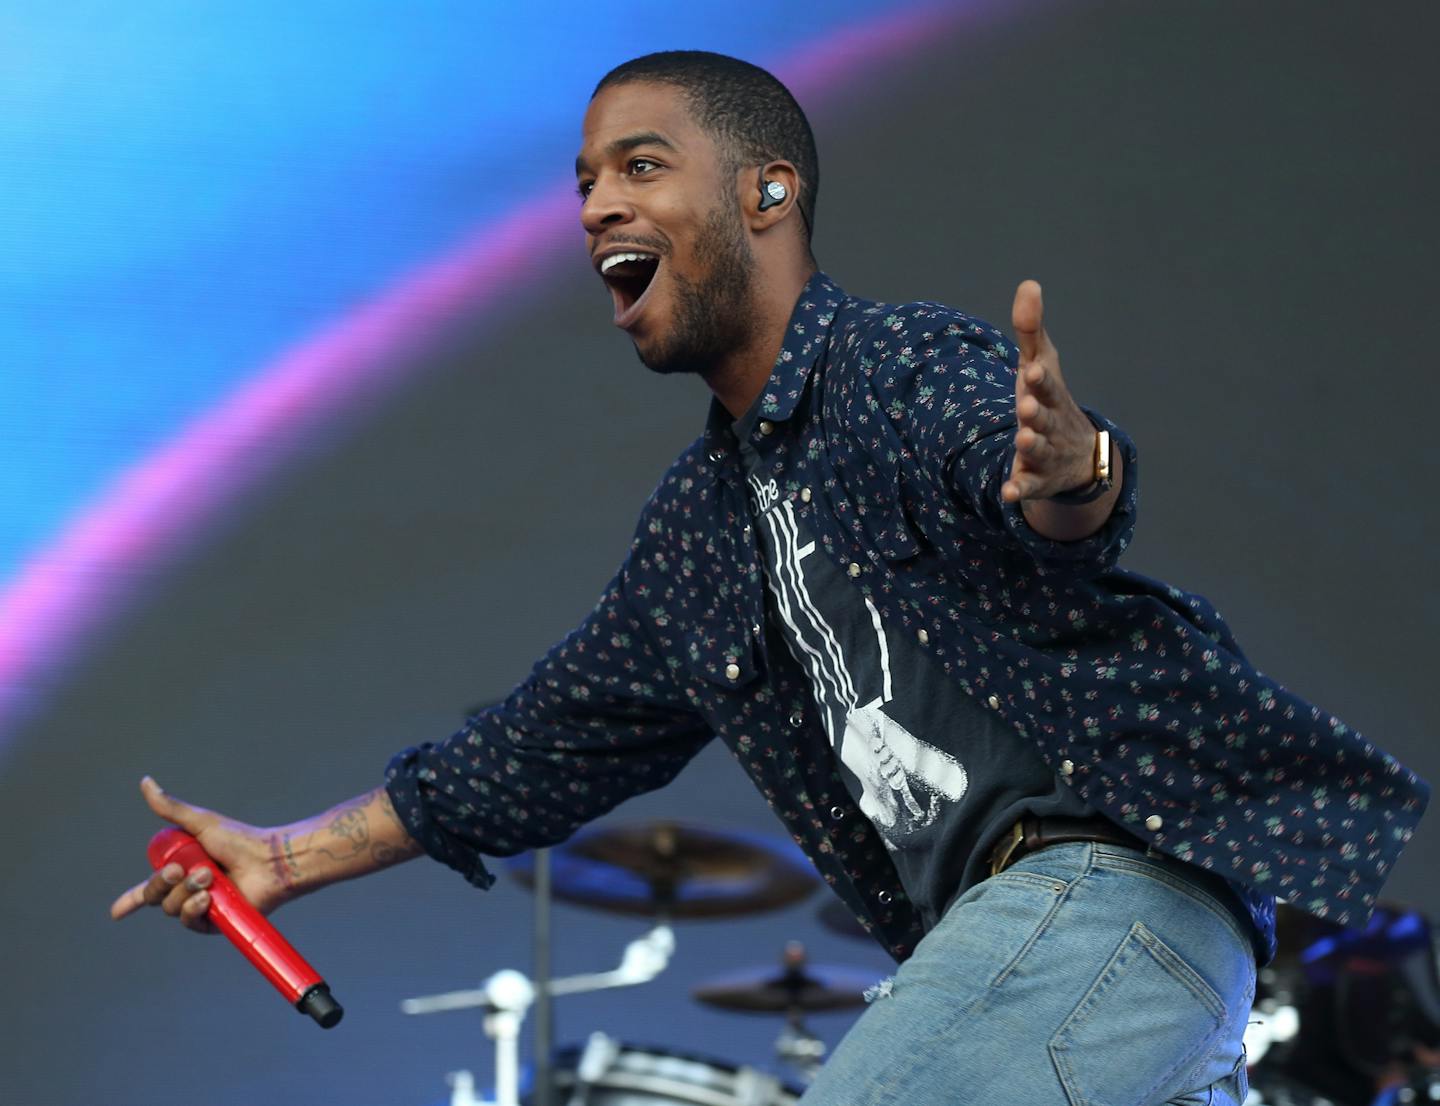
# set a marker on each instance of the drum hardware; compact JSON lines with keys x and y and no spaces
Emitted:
{"x":799,"y":1048}
{"x":660,"y":870}
{"x":795,"y":990}
{"x":1349,"y":1014}
{"x":807,"y":988}
{"x":608,"y":1072}
{"x":674,"y":871}
{"x":544,"y":1024}
{"x":1270,"y":1024}
{"x":507,"y":995}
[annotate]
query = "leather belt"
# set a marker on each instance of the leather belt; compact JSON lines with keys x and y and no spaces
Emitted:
{"x":1031,"y":833}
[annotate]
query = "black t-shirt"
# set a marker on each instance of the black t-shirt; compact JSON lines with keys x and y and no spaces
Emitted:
{"x":939,"y":776}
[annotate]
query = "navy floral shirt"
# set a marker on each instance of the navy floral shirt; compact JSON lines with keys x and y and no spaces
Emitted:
{"x":891,"y":429}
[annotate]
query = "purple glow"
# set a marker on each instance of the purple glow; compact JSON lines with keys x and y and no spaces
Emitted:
{"x":160,"y":505}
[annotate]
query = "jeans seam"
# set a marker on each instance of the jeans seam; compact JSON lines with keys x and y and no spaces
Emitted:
{"x":1063,"y":889}
{"x":1116,"y":861}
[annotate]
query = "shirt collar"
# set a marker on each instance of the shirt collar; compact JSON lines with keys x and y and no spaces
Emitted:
{"x":807,"y":335}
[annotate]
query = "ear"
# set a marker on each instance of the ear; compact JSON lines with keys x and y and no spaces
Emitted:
{"x":751,"y":181}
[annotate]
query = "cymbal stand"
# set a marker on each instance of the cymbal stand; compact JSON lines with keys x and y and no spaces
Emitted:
{"x":507,"y":995}
{"x":798,"y":1047}
{"x":544,"y":1036}
{"x":645,"y":958}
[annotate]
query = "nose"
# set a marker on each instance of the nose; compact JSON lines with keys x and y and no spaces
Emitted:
{"x":605,"y":207}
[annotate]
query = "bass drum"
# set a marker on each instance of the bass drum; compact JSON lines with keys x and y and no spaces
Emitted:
{"x":607,"y":1072}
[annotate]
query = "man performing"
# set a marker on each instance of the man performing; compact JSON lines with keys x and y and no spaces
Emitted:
{"x":885,"y":577}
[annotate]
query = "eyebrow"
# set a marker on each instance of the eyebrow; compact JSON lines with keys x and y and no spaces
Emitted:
{"x":626,"y":144}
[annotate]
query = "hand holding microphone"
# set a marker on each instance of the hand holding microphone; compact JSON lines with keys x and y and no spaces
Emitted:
{"x":192,"y":886}
{"x":231,"y":913}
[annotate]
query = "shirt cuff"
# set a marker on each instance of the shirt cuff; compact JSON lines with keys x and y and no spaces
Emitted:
{"x":1102,"y":549}
{"x":410,"y":786}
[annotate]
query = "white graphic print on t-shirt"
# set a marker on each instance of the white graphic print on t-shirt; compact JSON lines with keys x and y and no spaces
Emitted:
{"x":905,"y":781}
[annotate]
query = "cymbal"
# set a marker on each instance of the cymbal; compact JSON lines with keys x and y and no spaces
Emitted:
{"x":674,"y":870}
{"x":835,"y":916}
{"x":796,"y":987}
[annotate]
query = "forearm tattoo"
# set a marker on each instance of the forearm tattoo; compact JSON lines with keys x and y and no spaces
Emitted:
{"x":349,"y":833}
{"x":345,"y":836}
{"x":282,"y":860}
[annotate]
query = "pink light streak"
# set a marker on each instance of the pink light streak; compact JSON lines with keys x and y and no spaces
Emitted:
{"x":165,"y":502}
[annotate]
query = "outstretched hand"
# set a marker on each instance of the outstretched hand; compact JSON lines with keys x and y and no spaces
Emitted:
{"x":240,"y":850}
{"x":1054,"y":440}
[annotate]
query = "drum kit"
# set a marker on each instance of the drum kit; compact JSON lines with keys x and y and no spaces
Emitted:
{"x":1340,"y":1015}
{"x":663,"y":872}
{"x":1348,"y":1017}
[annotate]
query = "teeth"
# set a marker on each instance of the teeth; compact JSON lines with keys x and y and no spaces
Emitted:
{"x":615,"y":259}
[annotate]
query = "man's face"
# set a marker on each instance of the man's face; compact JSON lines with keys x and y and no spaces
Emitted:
{"x":663,"y":227}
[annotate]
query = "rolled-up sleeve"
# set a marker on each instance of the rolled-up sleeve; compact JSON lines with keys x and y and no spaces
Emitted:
{"x":598,"y":720}
{"x":945,"y":384}
{"x":980,"y":469}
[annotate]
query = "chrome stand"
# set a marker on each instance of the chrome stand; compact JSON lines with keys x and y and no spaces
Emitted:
{"x":507,"y":995}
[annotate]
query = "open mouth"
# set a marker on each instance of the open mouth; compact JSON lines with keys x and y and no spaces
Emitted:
{"x":629,"y":275}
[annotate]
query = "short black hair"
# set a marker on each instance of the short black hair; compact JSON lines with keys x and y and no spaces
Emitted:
{"x":753,"y":115}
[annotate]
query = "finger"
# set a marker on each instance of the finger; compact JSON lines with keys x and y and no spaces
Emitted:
{"x":154,"y":890}
{"x":192,"y":819}
{"x":194,"y":914}
{"x":1015,"y":489}
{"x":1027,"y":319}
{"x":1023,"y":483}
{"x":131,"y":901}
{"x":1032,"y":413}
{"x":1041,"y":380}
{"x":197,"y":881}
{"x":1030,"y":443}
{"x":1018,"y":488}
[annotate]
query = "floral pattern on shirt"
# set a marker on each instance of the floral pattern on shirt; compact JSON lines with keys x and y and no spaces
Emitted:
{"x":891,"y":428}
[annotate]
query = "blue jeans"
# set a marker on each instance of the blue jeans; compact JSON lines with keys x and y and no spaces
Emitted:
{"x":1084,"y":975}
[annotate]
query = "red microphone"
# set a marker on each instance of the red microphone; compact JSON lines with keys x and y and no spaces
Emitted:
{"x":249,"y":931}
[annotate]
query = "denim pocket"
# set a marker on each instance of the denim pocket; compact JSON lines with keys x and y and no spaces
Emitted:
{"x":1144,"y":1022}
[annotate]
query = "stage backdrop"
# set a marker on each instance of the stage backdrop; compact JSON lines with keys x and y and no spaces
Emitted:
{"x":316,"y":434}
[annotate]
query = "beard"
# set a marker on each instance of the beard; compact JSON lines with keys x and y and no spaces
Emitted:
{"x":712,"y":315}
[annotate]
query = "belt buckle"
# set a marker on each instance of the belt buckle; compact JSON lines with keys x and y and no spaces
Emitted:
{"x":1005,"y":848}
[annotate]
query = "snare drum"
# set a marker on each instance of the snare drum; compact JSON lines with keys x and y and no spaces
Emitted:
{"x":607,"y":1072}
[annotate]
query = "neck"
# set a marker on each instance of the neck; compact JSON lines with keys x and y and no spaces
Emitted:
{"x":740,"y":378}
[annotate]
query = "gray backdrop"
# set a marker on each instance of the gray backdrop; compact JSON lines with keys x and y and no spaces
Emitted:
{"x":1231,"y":207}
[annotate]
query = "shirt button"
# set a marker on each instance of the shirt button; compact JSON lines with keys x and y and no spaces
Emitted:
{"x":767,"y":427}
{"x":732,"y":671}
{"x":755,"y":629}
{"x":746,"y":531}
{"x":837,"y":812}
{"x":885,"y":898}
{"x":922,"y":637}
{"x":1067,"y":767}
{"x":994,"y":702}
{"x":797,"y":719}
{"x":1154,"y":822}
{"x":854,"y":569}
{"x":717,"y":455}
{"x":804,"y":495}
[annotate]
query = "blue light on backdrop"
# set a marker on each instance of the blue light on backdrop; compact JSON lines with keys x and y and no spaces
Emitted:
{"x":224,"y":223}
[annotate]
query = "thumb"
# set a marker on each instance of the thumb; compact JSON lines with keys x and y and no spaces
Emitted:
{"x":1027,"y":319}
{"x":192,"y":819}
